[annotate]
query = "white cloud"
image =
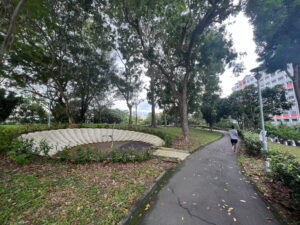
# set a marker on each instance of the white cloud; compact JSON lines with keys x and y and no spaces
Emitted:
{"x":242,"y":35}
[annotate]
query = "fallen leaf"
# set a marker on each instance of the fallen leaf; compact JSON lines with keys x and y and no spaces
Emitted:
{"x":230,"y":209}
{"x":194,"y":203}
{"x":242,"y":201}
{"x":234,"y":219}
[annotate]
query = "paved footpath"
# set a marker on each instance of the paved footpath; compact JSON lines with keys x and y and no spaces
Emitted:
{"x":209,"y":189}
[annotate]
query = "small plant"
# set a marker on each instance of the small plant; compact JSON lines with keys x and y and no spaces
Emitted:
{"x":129,"y":155}
{"x":22,"y":149}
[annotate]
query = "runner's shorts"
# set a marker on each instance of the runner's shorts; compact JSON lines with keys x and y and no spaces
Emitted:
{"x":233,"y":141}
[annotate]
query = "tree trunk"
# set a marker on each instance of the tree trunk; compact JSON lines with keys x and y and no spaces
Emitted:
{"x":296,"y":83}
{"x":8,"y":37}
{"x":130,"y":114}
{"x":68,"y":112}
{"x":136,"y":114}
{"x":153,"y":118}
{"x":165,"y":116}
{"x":184,"y":114}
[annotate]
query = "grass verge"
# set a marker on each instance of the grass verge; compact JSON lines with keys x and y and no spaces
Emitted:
{"x":198,"y":137}
{"x":96,"y":193}
{"x":295,"y":151}
{"x":274,"y":192}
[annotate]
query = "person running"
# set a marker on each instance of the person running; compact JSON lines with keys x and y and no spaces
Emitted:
{"x":233,"y":138}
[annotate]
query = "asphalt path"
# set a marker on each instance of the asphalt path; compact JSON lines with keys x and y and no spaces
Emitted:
{"x":209,"y":188}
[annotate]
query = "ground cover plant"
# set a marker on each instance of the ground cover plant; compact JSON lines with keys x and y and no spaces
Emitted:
{"x":280,"y":187}
{"x":91,"y":188}
{"x":295,"y":151}
{"x":95,"y":193}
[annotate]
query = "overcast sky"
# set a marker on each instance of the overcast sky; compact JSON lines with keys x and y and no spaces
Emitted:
{"x":242,"y":35}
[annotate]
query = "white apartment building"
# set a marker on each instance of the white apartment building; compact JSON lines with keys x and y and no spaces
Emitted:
{"x":270,"y":80}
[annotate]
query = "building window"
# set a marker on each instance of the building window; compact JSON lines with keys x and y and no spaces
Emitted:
{"x":294,"y":120}
{"x":286,"y":120}
{"x":267,"y":84}
{"x":291,"y":97}
{"x":289,"y":82}
{"x":280,"y":78}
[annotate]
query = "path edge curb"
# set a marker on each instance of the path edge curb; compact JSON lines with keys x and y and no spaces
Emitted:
{"x":273,"y":209}
{"x":155,"y":187}
{"x":138,"y":206}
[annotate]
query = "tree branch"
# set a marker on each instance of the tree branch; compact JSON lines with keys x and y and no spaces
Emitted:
{"x":12,"y":25}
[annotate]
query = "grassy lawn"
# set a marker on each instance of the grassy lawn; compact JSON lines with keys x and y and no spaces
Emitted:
{"x":48,"y":192}
{"x":283,"y":148}
{"x":45,"y":192}
{"x":198,"y":137}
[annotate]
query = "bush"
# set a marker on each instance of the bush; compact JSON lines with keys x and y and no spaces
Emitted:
{"x":283,"y":131}
{"x":23,"y":149}
{"x":286,"y":169}
{"x":93,"y":154}
{"x":252,"y":142}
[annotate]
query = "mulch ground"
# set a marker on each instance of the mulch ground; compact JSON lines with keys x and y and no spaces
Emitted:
{"x":277,"y":194}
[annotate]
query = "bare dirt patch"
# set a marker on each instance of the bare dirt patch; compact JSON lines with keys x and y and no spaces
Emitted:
{"x":180,"y":143}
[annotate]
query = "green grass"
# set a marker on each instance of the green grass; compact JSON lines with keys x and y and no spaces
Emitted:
{"x":51,"y":193}
{"x":283,"y":148}
{"x":199,"y":136}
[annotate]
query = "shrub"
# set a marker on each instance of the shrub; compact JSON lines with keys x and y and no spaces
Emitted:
{"x":93,"y":154}
{"x":283,"y":131}
{"x":252,"y":142}
{"x":23,"y":149}
{"x":129,"y":155}
{"x":286,"y":169}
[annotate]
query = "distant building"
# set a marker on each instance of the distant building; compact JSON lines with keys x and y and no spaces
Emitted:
{"x":270,"y":80}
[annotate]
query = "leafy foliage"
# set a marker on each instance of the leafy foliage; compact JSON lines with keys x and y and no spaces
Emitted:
{"x":8,"y":102}
{"x":283,"y":131}
{"x":277,"y":35}
{"x":287,"y":170}
{"x":252,"y":142}
{"x":23,"y":149}
{"x":243,"y":105}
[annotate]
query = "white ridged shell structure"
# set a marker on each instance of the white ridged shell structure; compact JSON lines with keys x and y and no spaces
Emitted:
{"x":67,"y":138}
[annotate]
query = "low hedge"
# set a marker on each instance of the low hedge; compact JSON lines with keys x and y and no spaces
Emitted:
{"x":252,"y":142}
{"x":286,"y":169}
{"x":283,"y":131}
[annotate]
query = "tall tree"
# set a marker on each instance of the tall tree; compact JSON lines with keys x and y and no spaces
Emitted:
{"x":128,"y":78}
{"x":60,"y":52}
{"x":11,"y":23}
{"x":277,"y":35}
{"x":170,"y":33}
{"x":244,"y":105}
{"x":8,"y":102}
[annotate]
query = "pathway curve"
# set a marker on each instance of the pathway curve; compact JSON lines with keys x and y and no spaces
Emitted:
{"x":209,"y":189}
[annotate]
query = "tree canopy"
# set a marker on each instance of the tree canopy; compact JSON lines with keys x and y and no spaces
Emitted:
{"x":277,"y":35}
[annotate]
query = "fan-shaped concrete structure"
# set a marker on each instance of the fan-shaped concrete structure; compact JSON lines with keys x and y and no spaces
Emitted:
{"x":62,"y":138}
